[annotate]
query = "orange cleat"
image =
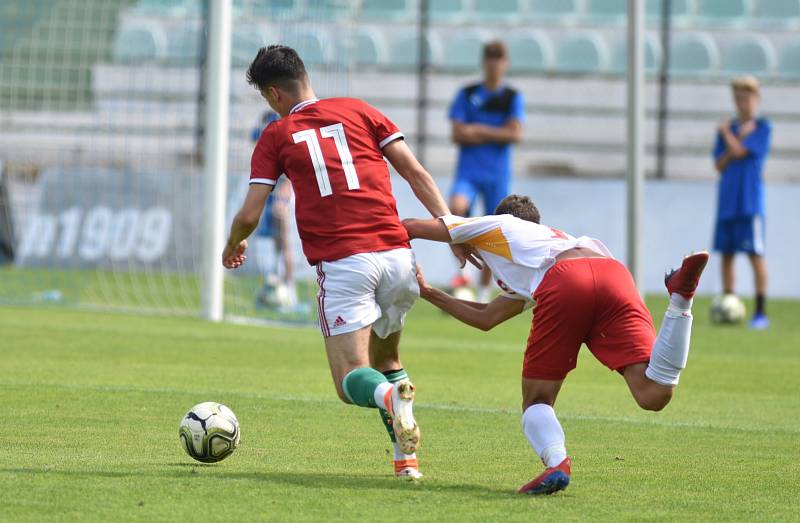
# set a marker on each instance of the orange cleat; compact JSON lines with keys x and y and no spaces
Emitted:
{"x":551,"y":480}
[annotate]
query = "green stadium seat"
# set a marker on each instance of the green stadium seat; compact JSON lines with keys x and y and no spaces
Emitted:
{"x":367,"y":48}
{"x":168,"y":8}
{"x":138,"y":42}
{"x":404,"y":53}
{"x":724,"y":12}
{"x":682,"y":11}
{"x":531,"y":52}
{"x":185,"y":44}
{"x":652,"y":55}
{"x":607,"y":12}
{"x":778,"y":12}
{"x":462,"y":52}
{"x":753,"y":54}
{"x":447,"y":11}
{"x":312,"y":46}
{"x":693,"y":54}
{"x":329,"y":10}
{"x":789,"y":66}
{"x":247,"y":40}
{"x":388,"y":10}
{"x":558,"y":11}
{"x":276,"y":10}
{"x":582,"y":53}
{"x":497,"y":11}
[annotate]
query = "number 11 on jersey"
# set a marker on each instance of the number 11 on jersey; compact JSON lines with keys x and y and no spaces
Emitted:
{"x":335,"y":131}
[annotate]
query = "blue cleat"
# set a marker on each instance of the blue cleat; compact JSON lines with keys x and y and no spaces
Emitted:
{"x":551,"y":480}
{"x":759,"y":322}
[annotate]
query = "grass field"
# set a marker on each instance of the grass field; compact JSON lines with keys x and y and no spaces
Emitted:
{"x":93,"y":403}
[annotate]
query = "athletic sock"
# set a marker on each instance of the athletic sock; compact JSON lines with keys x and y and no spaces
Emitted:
{"x":394,"y":376}
{"x":366,"y":387}
{"x":544,"y":433}
{"x":671,"y":348}
{"x":761,"y":305}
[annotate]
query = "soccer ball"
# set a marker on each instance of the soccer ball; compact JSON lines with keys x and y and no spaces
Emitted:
{"x":464,"y":293}
{"x":209,"y":432}
{"x":727,"y":308}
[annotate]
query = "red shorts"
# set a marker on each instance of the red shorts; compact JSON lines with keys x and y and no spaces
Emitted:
{"x":592,"y":301}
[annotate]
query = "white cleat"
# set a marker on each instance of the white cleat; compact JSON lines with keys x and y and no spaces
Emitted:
{"x":405,"y":426}
{"x":407,"y":469}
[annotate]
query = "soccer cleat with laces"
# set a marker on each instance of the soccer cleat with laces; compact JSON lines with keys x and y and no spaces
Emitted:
{"x":684,"y":281}
{"x":551,"y":480}
{"x":407,"y":469}
{"x":405,"y":426}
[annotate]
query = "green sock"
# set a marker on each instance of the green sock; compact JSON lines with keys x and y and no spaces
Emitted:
{"x":359,"y":386}
{"x":393,"y":376}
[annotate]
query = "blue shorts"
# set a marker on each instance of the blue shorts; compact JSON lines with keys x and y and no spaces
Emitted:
{"x":492,"y":191}
{"x":744,"y":234}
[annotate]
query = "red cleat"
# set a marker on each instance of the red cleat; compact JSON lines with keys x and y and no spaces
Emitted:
{"x":551,"y":480}
{"x":684,"y":280}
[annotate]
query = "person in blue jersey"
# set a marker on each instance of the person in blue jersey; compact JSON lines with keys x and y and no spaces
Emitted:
{"x":487,"y":120}
{"x":740,"y":152}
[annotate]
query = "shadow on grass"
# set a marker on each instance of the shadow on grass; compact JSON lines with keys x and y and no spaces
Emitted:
{"x":295,"y":479}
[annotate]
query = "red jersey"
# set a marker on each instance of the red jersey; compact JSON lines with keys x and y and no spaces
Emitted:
{"x":331,"y":150}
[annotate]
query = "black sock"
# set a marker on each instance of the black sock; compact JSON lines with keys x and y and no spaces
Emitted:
{"x":761,"y":304}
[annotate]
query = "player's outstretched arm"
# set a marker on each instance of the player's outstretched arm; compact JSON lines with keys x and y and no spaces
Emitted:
{"x":483,"y":316}
{"x":434,"y":229}
{"x":407,"y":166}
{"x":244,"y":223}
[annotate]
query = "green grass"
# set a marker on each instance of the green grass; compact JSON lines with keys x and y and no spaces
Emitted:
{"x":92,"y":405}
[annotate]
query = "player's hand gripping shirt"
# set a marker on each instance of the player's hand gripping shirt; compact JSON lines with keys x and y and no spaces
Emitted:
{"x":331,"y":151}
{"x":518,"y":252}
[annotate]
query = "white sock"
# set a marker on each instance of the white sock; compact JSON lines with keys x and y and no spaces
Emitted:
{"x":544,"y":433}
{"x":380,"y":392}
{"x":671,"y":348}
{"x":399,"y":456}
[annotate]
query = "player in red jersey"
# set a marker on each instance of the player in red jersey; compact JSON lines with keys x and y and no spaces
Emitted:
{"x":580,"y":294}
{"x":333,"y":153}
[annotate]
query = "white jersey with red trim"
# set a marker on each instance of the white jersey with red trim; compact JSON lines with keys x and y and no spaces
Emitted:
{"x":518,"y":252}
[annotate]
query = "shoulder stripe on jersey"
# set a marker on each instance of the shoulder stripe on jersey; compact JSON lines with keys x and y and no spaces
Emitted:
{"x":263,"y":181}
{"x":389,"y":139}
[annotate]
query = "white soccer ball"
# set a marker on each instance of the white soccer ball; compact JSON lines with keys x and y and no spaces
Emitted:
{"x":727,"y":308}
{"x":209,"y":432}
{"x":464,"y":293}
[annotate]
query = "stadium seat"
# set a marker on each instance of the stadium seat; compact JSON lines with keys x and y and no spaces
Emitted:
{"x":447,"y":11}
{"x":500,"y":11}
{"x":693,"y":54}
{"x":582,"y":53}
{"x":789,"y":66}
{"x":312,"y":46}
{"x":606,"y":12}
{"x":753,"y":54}
{"x":682,"y":11}
{"x":724,"y":12}
{"x":247,"y":39}
{"x":276,"y":10}
{"x":531,"y":52}
{"x":388,"y":10}
{"x":778,"y":12}
{"x":367,"y":47}
{"x":168,"y":8}
{"x":185,"y":44}
{"x":328,"y":10}
{"x":404,"y":53}
{"x":549,"y":11}
{"x":462,"y":52}
{"x":652,"y":54}
{"x":138,"y":42}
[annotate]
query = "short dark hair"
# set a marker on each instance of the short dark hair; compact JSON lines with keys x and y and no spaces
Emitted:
{"x":495,"y":49}
{"x":279,"y":66}
{"x":520,"y":206}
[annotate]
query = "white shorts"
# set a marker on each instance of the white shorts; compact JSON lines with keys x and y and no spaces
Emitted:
{"x":374,"y":288}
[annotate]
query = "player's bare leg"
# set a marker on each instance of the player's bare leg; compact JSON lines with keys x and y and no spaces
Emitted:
{"x":728,"y":274}
{"x":384,"y":356}
{"x":648,"y":394}
{"x":545,"y":435}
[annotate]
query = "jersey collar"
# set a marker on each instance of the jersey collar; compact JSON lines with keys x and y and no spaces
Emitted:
{"x":303,"y":104}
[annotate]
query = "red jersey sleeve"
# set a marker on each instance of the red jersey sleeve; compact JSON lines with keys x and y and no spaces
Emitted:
{"x":383,"y":129}
{"x":264,"y":164}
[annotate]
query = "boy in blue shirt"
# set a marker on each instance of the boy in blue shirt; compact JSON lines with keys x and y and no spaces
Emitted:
{"x":486,"y":120}
{"x":740,"y":151}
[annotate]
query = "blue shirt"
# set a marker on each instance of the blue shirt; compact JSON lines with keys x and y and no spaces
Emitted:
{"x":741,"y":186}
{"x":477,"y":104}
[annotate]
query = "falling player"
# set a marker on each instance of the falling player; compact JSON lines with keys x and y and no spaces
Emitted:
{"x":332,"y":150}
{"x":580,"y":294}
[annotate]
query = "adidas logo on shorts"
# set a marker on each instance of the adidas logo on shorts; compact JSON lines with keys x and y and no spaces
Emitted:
{"x":339,"y":322}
